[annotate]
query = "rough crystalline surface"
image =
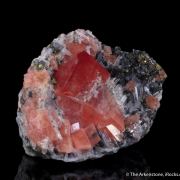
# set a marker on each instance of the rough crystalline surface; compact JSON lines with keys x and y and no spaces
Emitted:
{"x":82,"y":99}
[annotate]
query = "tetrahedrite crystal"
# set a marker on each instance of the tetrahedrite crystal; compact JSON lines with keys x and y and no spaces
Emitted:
{"x":82,"y":99}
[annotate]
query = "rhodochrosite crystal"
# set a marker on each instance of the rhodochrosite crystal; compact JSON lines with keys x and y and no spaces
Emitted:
{"x":82,"y":99}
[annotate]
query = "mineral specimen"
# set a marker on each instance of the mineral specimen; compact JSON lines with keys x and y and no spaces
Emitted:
{"x":82,"y":99}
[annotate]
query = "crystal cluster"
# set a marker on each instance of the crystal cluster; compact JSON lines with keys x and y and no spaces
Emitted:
{"x":82,"y":99}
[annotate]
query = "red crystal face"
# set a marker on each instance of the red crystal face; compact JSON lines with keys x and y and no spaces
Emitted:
{"x":86,"y":102}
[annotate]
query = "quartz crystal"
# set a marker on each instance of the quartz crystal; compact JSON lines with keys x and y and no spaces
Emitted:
{"x":82,"y":99}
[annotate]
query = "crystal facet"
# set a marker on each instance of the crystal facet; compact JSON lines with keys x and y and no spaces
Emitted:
{"x":81,"y":99}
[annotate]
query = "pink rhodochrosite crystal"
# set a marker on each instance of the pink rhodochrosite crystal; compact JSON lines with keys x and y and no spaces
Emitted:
{"x":81,"y":99}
